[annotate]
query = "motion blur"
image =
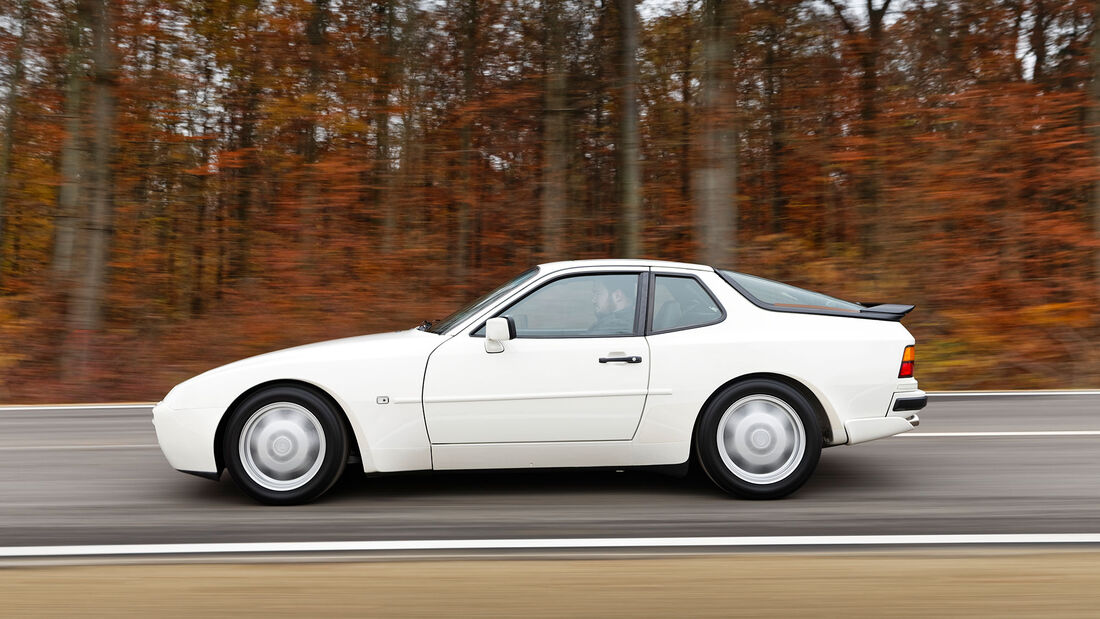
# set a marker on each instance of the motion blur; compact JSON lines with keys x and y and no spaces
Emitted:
{"x":183,"y":183}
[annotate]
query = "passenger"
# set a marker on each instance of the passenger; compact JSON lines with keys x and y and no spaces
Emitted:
{"x":614,"y":310}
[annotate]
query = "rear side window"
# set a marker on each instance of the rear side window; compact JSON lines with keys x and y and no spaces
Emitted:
{"x":786,"y":296}
{"x":682,"y":303}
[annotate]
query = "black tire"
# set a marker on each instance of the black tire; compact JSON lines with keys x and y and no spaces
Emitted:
{"x":323,"y":470}
{"x":779,"y":400}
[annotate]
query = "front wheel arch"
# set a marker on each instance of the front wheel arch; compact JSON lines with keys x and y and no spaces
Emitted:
{"x":219,"y":433}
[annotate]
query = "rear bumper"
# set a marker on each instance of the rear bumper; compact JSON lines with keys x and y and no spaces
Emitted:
{"x":908,"y":402}
{"x":901,"y":417}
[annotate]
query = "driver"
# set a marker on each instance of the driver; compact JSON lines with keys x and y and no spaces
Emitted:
{"x":614,"y":309}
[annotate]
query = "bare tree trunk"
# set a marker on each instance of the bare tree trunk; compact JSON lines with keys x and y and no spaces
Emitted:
{"x":630,"y":182}
{"x":1013,"y":40}
{"x":555,"y":165}
{"x":471,"y":18}
{"x":686,"y":77}
{"x":405,"y":179}
{"x":406,"y":210}
{"x":221,"y":260}
{"x":86,"y":310}
{"x":1041,"y":19}
{"x":72,"y":157}
{"x":208,"y":207}
{"x":871,"y":185}
{"x":383,"y":165}
{"x":776,"y":124}
{"x":1094,"y":127}
{"x":312,"y":209}
{"x":868,"y":47}
{"x":716,"y":178}
{"x":248,"y":198}
{"x":315,"y":34}
{"x":198,"y":251}
{"x":596,"y":185}
{"x":208,"y":200}
{"x":9,"y":121}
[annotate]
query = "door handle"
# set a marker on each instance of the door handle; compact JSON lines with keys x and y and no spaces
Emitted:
{"x":631,"y":359}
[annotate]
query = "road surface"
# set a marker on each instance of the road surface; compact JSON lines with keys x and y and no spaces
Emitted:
{"x":79,"y":476}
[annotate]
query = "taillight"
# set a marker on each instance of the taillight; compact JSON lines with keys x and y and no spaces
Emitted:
{"x":908,"y":360}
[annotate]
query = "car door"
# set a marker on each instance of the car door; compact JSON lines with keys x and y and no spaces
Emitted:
{"x":577,"y":370}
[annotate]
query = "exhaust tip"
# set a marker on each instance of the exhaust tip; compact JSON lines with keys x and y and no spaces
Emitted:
{"x":913,"y":420}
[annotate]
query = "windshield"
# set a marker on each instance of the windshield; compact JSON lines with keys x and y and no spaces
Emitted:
{"x":477,"y":305}
{"x":785,"y":295}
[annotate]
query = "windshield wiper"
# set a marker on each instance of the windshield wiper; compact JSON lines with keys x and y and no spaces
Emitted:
{"x":424,"y":326}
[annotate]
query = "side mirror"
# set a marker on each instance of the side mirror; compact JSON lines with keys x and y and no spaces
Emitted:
{"x":497,"y":331}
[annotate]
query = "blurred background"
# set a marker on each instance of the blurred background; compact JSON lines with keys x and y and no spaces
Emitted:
{"x":183,"y":183}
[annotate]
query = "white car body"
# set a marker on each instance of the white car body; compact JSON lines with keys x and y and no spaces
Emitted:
{"x":417,"y":400}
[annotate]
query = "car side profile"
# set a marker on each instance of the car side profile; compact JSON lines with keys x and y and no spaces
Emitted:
{"x":593,"y":363}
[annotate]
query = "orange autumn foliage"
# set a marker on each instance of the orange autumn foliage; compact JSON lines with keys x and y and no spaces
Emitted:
{"x":292,"y":171}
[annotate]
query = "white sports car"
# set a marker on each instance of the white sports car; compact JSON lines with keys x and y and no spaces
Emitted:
{"x":595,"y":363}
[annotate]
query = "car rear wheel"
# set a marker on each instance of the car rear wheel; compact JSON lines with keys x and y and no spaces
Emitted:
{"x":285,"y":446}
{"x":759,"y":439}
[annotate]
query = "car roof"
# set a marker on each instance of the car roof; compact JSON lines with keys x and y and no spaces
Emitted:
{"x":624,"y":262}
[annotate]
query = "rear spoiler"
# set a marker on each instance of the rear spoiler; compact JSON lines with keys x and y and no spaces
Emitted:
{"x":885,"y":311}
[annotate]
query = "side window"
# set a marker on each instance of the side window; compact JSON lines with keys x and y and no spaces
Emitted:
{"x":682,"y":302}
{"x":580,"y":306}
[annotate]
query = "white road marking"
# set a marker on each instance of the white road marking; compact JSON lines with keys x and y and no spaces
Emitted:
{"x":549,"y":543}
{"x":1001,"y":394}
{"x":1002,"y":434}
{"x":75,"y":407}
{"x":77,"y":447}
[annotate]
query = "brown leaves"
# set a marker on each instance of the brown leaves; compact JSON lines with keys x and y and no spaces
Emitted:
{"x":272,"y":188}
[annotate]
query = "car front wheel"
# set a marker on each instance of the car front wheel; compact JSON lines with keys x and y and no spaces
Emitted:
{"x":759,"y":440}
{"x":285,"y":446}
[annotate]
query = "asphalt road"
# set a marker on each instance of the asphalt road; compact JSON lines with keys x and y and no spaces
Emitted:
{"x":97,"y":477}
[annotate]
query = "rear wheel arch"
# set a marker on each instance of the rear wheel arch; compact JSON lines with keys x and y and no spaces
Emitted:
{"x":819,"y":410}
{"x":219,"y":434}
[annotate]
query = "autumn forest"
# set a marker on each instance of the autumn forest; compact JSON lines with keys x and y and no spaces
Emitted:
{"x":184,"y":183}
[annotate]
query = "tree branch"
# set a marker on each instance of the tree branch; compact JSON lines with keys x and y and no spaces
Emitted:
{"x":881,"y":10}
{"x":840,"y":15}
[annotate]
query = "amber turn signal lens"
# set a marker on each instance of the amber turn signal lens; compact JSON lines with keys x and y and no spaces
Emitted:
{"x":908,"y":361}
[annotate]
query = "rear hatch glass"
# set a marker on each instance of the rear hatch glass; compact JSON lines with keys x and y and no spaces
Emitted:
{"x":786,"y":296}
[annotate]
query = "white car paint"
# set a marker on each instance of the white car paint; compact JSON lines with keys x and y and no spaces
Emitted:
{"x":537,"y":390}
{"x":417,"y":400}
{"x":355,"y":372}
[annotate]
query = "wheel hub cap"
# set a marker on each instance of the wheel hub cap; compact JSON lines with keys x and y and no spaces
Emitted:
{"x":282,"y":446}
{"x":761,"y":439}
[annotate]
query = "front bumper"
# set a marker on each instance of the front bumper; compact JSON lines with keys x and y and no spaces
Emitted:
{"x":901,"y":417}
{"x":186,"y":437}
